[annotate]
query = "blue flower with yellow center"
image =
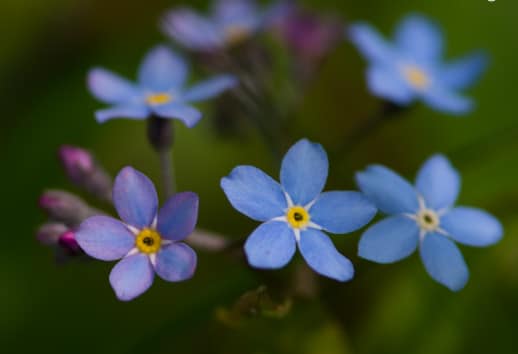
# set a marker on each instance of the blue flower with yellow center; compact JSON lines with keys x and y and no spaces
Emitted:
{"x":160,"y":91}
{"x":412,"y":68}
{"x":424,"y":216}
{"x":296,"y":212}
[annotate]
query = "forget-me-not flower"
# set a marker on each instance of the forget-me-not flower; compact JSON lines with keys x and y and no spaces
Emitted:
{"x":161,"y":90}
{"x":296,"y":212}
{"x":147,"y":239}
{"x":412,"y":68}
{"x":424,"y":216}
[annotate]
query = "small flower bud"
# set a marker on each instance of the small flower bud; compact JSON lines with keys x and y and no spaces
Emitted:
{"x":48,"y":234}
{"x":65,"y":207}
{"x":68,"y":241}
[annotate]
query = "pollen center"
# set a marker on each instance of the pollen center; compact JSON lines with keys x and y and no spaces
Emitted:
{"x":416,"y":77}
{"x":428,"y":220}
{"x":236,"y":34}
{"x":298,"y":217}
{"x":159,"y":98}
{"x":148,"y":241}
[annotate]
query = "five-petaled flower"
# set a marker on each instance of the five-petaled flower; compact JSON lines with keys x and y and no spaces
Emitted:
{"x":296,"y":212}
{"x":412,"y":68}
{"x":147,"y":239}
{"x":160,"y":90}
{"x":424,"y":216}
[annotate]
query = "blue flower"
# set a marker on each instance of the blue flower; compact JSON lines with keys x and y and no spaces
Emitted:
{"x":147,"y":239}
{"x":412,"y":68}
{"x":160,"y":90}
{"x":424,"y":216}
{"x":296,"y":212}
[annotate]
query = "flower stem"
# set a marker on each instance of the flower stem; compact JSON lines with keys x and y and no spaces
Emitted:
{"x":161,"y":137}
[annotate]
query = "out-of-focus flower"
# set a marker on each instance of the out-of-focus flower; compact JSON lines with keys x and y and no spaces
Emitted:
{"x":68,"y":241}
{"x":296,"y":212}
{"x":160,"y":90}
{"x":424,"y":216}
{"x":413,"y":68}
{"x":60,"y":237}
{"x":65,"y":207}
{"x":147,"y":239}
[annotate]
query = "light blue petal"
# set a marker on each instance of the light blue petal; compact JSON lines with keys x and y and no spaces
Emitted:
{"x":444,"y":262}
{"x":109,"y":87}
{"x":388,"y":83}
{"x":387,"y":190}
{"x":162,"y":70}
{"x":389,"y":240}
{"x":190,"y":116}
{"x":210,"y":88}
{"x":243,"y":13}
{"x":371,"y":44}
{"x":322,"y":256}
{"x":472,"y":227}
{"x":270,"y":246}
{"x":304,"y":171}
{"x":124,"y":111}
{"x":342,"y":212}
{"x":176,"y":262}
{"x":177,"y":218}
{"x":447,"y":101}
{"x":104,"y":238}
{"x":132,"y":276}
{"x":420,"y":38}
{"x":438,"y":182}
{"x":135,"y":198}
{"x":464,"y":72}
{"x":254,"y":193}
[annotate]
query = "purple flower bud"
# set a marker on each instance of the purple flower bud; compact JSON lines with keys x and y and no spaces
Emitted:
{"x":65,"y":207}
{"x":48,"y":234}
{"x":68,"y":241}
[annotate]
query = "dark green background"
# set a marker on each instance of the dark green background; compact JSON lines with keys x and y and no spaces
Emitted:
{"x":45,"y":52}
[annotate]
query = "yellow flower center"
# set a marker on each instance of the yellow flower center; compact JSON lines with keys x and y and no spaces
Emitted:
{"x":416,"y":77}
{"x":428,"y":220}
{"x":236,"y":34}
{"x":298,"y":217}
{"x":148,"y":241}
{"x":159,"y":98}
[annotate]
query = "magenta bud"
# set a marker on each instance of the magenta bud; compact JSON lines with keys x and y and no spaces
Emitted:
{"x":65,"y":207}
{"x":48,"y":234}
{"x":68,"y":241}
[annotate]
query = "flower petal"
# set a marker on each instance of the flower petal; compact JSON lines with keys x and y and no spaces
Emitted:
{"x":447,"y":101}
{"x":420,"y":38}
{"x":109,"y":87}
{"x":132,"y":276}
{"x":464,"y":72}
{"x":176,"y":262}
{"x":135,"y":198}
{"x":322,"y":256}
{"x":190,"y":116}
{"x":444,"y":262}
{"x":387,"y":190}
{"x":387,"y":83}
{"x":229,"y":11}
{"x":370,"y":43}
{"x":177,"y":218}
{"x":210,"y":88}
{"x":163,"y":70}
{"x":438,"y":182}
{"x":270,"y":246}
{"x":124,"y":111}
{"x":472,"y":227}
{"x":342,"y":212}
{"x":104,"y":238}
{"x":304,"y":171}
{"x":254,"y":193}
{"x":389,"y":240}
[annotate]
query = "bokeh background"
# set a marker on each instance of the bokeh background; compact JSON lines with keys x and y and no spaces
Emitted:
{"x":46,"y":49}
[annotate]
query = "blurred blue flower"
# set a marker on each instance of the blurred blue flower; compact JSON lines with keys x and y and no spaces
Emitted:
{"x":424,"y":216}
{"x":296,"y":212}
{"x":147,"y":239}
{"x":413,"y":68}
{"x":160,"y":90}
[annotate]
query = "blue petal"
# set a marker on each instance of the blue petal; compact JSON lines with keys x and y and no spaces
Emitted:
{"x":444,"y":262}
{"x":177,"y":218}
{"x":124,"y":111}
{"x":236,"y":12}
{"x":104,"y":238}
{"x":464,"y":72}
{"x":473,"y":227}
{"x":387,"y":190}
{"x":132,"y":276}
{"x":387,"y":83}
{"x":304,"y":171}
{"x":438,"y":182}
{"x":135,"y":198}
{"x":254,"y":193}
{"x":420,"y":38}
{"x":270,"y":246}
{"x":322,"y":256}
{"x":190,"y":116}
{"x":389,"y":240}
{"x":210,"y":88}
{"x":162,"y":70}
{"x":445,"y":100}
{"x":176,"y":262}
{"x":109,"y":87}
{"x":371,"y":44}
{"x":342,"y":212}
